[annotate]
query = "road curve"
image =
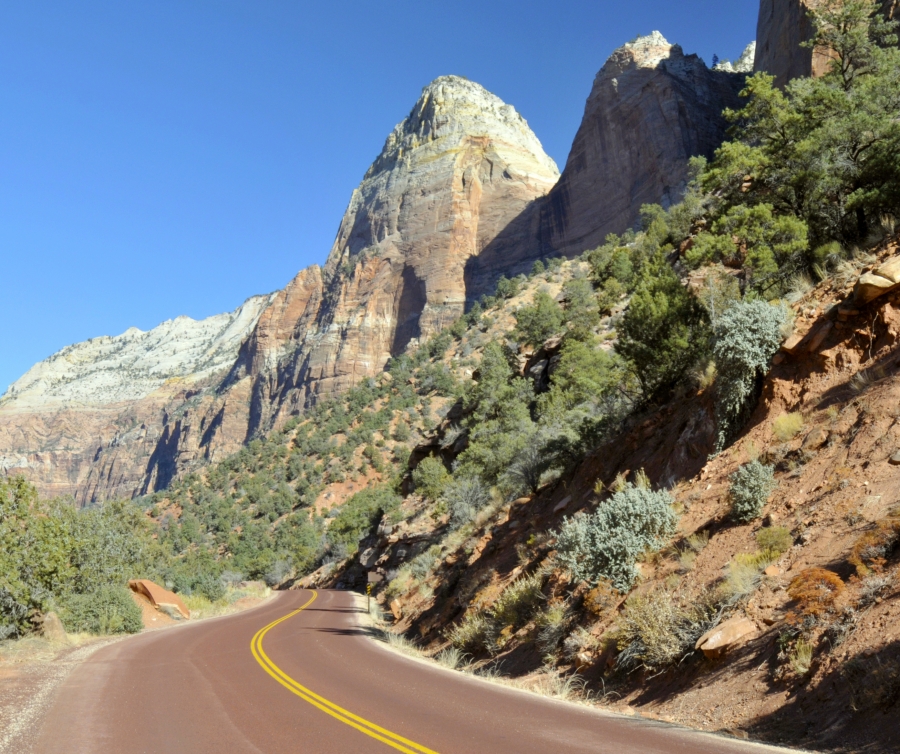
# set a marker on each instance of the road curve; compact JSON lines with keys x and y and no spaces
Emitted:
{"x":299,"y":674}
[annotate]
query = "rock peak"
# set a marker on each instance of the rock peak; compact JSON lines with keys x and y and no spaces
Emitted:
{"x":744,"y":64}
{"x":453,"y":106}
{"x":653,"y":39}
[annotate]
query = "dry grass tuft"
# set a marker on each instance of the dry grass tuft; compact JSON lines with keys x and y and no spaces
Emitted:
{"x":787,"y":426}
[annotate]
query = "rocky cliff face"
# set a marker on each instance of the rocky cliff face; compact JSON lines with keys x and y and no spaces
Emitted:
{"x":140,"y":408}
{"x":450,"y":179}
{"x":782,"y":30}
{"x":87,"y":420}
{"x":461,"y":193}
{"x":650,"y":110}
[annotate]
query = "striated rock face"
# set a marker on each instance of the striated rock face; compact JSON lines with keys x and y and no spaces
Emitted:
{"x":87,"y":421}
{"x":650,"y":110}
{"x":119,"y":416}
{"x":461,"y":193}
{"x":783,"y":27}
{"x":450,"y":179}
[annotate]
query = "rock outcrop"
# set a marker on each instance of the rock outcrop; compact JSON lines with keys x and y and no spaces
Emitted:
{"x":87,"y":421}
{"x":650,"y":110}
{"x":782,"y":31}
{"x":449,"y":181}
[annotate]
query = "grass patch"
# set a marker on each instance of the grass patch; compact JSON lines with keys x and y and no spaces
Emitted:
{"x":787,"y":426}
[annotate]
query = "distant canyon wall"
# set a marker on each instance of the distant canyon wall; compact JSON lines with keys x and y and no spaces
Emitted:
{"x":461,"y":193}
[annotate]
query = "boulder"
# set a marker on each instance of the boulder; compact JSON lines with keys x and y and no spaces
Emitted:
{"x":162,"y":599}
{"x":870,"y":286}
{"x":53,"y":629}
{"x":717,"y":641}
{"x":815,"y":439}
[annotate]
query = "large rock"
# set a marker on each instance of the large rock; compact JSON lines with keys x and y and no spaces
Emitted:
{"x":450,"y":179}
{"x":717,"y":641}
{"x":162,"y":599}
{"x":650,"y":110}
{"x":883,"y":279}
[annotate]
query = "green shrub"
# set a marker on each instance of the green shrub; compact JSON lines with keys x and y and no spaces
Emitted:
{"x":108,"y":610}
{"x":519,"y":601}
{"x":506,"y":287}
{"x":358,"y":515}
{"x":656,"y":630}
{"x":609,"y":542}
{"x":774,"y":539}
{"x":665,"y":330}
{"x":582,"y":312}
{"x":539,"y":321}
{"x":551,"y":627}
{"x":746,"y":338}
{"x":430,"y":477}
{"x":210,"y":586}
{"x":750,"y":488}
{"x":476,"y":633}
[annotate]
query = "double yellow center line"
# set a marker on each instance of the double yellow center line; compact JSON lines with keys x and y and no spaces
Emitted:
{"x":330,"y":708}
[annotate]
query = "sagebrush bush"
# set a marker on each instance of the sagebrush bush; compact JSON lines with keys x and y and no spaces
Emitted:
{"x":108,"y":610}
{"x":656,"y":630}
{"x":464,"y":498}
{"x":747,"y":336}
{"x":551,"y":627}
{"x":608,"y":543}
{"x":476,"y":633}
{"x":519,"y":601}
{"x":750,"y":488}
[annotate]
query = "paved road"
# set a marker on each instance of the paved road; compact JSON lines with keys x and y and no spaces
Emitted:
{"x":298,"y":675}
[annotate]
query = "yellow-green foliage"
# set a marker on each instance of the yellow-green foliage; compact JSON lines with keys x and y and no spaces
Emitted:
{"x":788,"y":426}
{"x":519,"y":601}
{"x":776,"y":540}
{"x":476,"y":633}
{"x":743,"y":575}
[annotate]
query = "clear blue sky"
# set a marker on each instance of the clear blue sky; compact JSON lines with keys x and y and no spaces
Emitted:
{"x":177,"y":156}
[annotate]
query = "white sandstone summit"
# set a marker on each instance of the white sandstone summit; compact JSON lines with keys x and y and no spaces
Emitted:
{"x":744,"y":64}
{"x":455,"y":107}
{"x":132,"y":365}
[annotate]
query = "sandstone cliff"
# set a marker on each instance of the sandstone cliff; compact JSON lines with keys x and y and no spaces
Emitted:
{"x":450,"y":179}
{"x":650,"y":109}
{"x":782,"y":30}
{"x":87,"y":420}
{"x":140,"y":408}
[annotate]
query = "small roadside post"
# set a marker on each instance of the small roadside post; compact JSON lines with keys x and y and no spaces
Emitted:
{"x":371,"y":578}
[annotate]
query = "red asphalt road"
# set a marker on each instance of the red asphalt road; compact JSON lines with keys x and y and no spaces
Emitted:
{"x":198,"y":688}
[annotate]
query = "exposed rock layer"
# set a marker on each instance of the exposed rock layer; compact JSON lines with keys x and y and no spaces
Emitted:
{"x":461,"y":193}
{"x":650,"y":110}
{"x":90,"y":420}
{"x":782,"y":31}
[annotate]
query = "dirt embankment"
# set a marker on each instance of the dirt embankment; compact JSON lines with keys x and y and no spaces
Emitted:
{"x":837,"y":462}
